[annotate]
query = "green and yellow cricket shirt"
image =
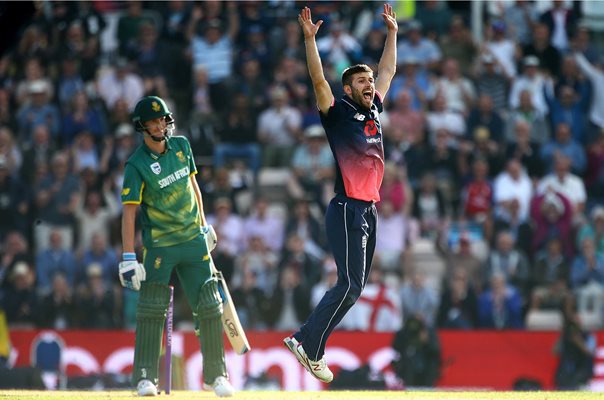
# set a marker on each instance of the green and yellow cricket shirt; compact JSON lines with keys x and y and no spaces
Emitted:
{"x":160,"y":184}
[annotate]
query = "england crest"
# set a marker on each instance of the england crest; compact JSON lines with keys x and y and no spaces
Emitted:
{"x":156,"y":168}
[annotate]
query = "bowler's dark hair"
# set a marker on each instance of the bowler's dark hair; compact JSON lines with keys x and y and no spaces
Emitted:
{"x":354,"y":69}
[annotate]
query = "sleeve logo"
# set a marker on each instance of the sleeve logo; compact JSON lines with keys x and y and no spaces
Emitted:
{"x":359,"y":117}
{"x":125,"y":191}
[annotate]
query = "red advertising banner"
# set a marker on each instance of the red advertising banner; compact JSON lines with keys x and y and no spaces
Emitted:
{"x":479,"y":359}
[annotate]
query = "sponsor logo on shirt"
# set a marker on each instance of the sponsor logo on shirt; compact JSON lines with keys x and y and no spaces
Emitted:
{"x":170,"y":179}
{"x":371,"y":132}
{"x":156,"y":168}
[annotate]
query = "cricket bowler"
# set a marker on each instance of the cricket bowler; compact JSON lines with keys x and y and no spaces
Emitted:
{"x":354,"y":132}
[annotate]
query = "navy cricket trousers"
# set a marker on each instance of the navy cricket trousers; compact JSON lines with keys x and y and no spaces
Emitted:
{"x":351,"y":230}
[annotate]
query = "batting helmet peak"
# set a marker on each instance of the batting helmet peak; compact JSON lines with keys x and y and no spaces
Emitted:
{"x":148,"y":108}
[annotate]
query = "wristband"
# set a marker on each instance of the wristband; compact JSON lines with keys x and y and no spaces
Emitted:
{"x":129,"y":256}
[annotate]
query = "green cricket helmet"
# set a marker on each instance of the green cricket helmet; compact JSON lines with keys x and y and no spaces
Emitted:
{"x":151,"y":107}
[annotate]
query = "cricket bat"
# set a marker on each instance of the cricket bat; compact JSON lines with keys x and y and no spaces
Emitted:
{"x":230,"y":320}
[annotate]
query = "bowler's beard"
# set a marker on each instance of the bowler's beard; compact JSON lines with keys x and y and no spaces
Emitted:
{"x":357,"y":96}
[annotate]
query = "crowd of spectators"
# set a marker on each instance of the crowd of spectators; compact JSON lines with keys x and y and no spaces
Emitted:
{"x":498,"y":141}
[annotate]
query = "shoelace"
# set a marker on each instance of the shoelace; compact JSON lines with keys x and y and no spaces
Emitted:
{"x":322,"y":363}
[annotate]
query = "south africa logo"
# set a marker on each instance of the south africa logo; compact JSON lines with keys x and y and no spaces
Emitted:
{"x":155,"y":106}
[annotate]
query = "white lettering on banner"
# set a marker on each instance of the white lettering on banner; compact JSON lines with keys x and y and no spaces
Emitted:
{"x":237,"y":367}
{"x":119,"y":360}
{"x":12,"y":357}
{"x":178,"y":344}
{"x":597,"y":383}
{"x":342,"y":357}
{"x":254,"y":363}
{"x":381,"y":358}
{"x":194,"y":371}
{"x":173,"y":177}
{"x":81,"y":358}
{"x":262,"y":360}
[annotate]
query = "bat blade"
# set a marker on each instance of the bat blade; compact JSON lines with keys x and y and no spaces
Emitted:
{"x":230,"y":320}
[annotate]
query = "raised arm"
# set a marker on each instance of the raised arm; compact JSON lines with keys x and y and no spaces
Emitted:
{"x":315,"y":69}
{"x":387,"y":65}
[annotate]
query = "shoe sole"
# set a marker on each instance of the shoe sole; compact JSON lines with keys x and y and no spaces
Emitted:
{"x":303,"y":360}
{"x":148,"y":393}
{"x":209,"y":388}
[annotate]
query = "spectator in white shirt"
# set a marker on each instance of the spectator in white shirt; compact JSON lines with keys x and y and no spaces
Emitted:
{"x":392,"y":237}
{"x":268,"y":227}
{"x":279,"y":129}
{"x":94,"y":217}
{"x":457,"y":89}
{"x":441,"y":117}
{"x":564,"y":182}
{"x":510,"y":186}
{"x":120,"y":83}
{"x":533,"y":81}
{"x":503,"y":49}
{"x":229,"y":227}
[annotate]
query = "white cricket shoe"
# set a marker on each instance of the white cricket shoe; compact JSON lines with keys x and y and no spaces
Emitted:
{"x":221,"y":387}
{"x":146,"y":388}
{"x":318,"y":369}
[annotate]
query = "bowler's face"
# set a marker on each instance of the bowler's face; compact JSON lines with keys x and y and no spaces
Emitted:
{"x":363,"y":89}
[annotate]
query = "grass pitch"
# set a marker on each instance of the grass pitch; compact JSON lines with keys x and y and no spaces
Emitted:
{"x":326,"y":395}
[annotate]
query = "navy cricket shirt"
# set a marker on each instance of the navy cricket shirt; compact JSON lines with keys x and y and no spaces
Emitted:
{"x":355,"y":137}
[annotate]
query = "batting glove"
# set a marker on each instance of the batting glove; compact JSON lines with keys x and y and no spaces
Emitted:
{"x":210,"y":235}
{"x":131,"y":272}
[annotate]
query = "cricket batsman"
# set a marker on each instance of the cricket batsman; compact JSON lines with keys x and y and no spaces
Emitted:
{"x":160,"y":178}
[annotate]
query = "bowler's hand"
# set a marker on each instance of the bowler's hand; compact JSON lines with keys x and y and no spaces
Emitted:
{"x":390,"y":18}
{"x":131,"y":272}
{"x":210,"y":236}
{"x":305,"y":20}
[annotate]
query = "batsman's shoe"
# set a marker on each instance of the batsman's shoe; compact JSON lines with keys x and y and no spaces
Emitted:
{"x":221,"y":387}
{"x":146,"y":388}
{"x":318,"y":369}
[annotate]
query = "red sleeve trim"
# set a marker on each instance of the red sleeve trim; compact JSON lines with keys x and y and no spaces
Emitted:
{"x":333,"y":102}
